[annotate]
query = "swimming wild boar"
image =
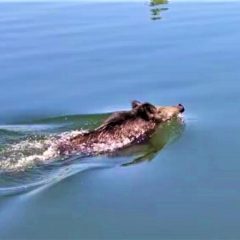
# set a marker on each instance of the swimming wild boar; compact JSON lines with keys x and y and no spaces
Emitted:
{"x":122,"y":129}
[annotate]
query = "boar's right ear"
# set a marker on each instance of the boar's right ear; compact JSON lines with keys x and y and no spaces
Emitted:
{"x":135,"y":104}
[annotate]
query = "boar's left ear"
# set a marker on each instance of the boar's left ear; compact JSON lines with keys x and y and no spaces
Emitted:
{"x":135,"y":103}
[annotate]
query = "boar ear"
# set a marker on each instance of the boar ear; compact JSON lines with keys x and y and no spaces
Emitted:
{"x":135,"y":103}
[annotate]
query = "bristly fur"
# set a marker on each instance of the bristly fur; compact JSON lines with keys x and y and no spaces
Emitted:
{"x":119,"y":130}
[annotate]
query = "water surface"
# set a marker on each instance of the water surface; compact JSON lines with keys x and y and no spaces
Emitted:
{"x":61,"y":62}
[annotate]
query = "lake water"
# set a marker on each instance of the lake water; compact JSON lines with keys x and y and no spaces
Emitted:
{"x":64,"y":65}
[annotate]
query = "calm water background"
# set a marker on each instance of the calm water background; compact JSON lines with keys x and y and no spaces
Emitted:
{"x":73,"y":58}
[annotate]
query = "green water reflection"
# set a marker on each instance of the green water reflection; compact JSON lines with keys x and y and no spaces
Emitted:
{"x":157,"y":7}
{"x":165,"y":134}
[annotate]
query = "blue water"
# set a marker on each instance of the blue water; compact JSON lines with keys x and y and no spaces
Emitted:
{"x":65,"y":66}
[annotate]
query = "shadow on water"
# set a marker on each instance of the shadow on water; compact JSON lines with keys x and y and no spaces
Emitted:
{"x":28,"y":159}
{"x":157,"y":7}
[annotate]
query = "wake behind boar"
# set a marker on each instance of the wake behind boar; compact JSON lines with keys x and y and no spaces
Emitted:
{"x":122,"y":129}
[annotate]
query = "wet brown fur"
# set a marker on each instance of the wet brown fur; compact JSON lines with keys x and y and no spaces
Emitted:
{"x":122,"y":129}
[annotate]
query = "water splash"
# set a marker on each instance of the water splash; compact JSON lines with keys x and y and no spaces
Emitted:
{"x":33,"y":151}
{"x":30,"y":158}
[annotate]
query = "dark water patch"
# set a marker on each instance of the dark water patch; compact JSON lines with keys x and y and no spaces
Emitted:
{"x":4,"y":132}
{"x":76,"y":120}
{"x":9,"y":136}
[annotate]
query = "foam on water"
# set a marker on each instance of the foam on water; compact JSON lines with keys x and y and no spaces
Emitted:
{"x":31,"y":152}
{"x":34,"y":162}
